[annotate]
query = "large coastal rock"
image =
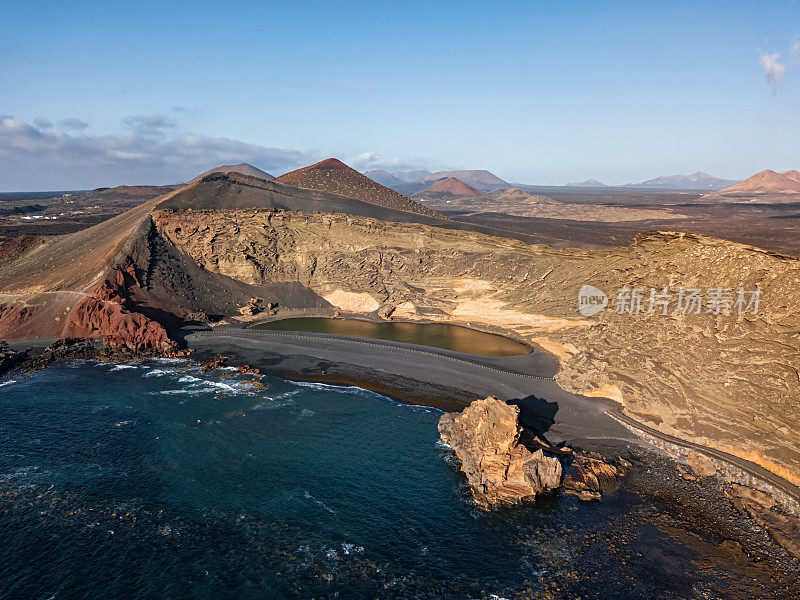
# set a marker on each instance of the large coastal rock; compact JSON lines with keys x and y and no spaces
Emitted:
{"x":500,"y":471}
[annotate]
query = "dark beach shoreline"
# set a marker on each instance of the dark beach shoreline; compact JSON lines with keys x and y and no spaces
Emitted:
{"x":411,"y":374}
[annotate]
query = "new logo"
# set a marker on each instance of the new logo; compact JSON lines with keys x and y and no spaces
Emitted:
{"x":591,"y":300}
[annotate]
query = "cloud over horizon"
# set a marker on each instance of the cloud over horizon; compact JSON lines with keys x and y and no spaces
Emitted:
{"x":367,"y":161}
{"x":37,"y":157}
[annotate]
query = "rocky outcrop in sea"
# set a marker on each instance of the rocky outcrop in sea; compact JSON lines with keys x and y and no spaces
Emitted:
{"x":500,"y":470}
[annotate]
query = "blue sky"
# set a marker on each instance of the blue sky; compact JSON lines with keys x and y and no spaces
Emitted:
{"x":103,"y":93}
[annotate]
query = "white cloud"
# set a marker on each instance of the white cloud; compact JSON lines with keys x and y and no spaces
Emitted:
{"x":372,"y":160}
{"x":773,"y":69}
{"x":35,"y":157}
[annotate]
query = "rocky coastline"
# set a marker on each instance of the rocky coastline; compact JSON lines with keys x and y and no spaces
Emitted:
{"x":33,"y":358}
{"x":502,"y":471}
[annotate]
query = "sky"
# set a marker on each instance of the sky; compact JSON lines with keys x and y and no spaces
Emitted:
{"x":105,"y":93}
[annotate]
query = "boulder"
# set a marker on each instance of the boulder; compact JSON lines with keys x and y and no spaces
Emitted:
{"x":701,"y":464}
{"x":589,"y":475}
{"x":253,"y":307}
{"x":500,"y":471}
{"x":385,"y":312}
{"x":763,"y":509}
{"x":217,"y":362}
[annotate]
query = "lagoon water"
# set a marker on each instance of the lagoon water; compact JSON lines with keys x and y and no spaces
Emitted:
{"x":437,"y":335}
{"x":154,"y":480}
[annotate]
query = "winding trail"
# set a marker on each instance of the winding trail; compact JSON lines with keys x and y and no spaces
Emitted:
{"x":749,"y":467}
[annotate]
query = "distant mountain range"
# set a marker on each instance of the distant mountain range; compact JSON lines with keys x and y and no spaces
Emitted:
{"x":397,"y":178}
{"x":409,"y":176}
{"x":411,"y":182}
{"x":589,"y":183}
{"x":695,"y":181}
{"x":479,"y":179}
{"x":384,"y":178}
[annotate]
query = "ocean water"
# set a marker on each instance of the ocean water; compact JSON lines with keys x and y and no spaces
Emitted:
{"x":154,"y":480}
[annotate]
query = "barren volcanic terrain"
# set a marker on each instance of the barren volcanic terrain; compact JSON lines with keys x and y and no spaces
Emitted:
{"x":602,"y":218}
{"x":66,"y":212}
{"x":202,"y":252}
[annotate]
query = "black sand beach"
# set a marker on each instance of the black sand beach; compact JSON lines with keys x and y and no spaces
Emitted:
{"x":422,"y":375}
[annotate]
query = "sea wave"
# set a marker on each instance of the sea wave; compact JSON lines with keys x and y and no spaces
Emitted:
{"x":20,"y":472}
{"x":308,"y":495}
{"x":122,"y":367}
{"x":79,"y":363}
{"x":348,"y":548}
{"x":9,"y":382}
{"x":168,"y":361}
{"x":189,"y":392}
{"x":158,"y":372}
{"x":358,"y":391}
{"x":233,"y":389}
{"x":273,"y":404}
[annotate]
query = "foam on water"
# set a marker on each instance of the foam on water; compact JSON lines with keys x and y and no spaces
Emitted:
{"x":189,"y":379}
{"x":357,"y":391}
{"x":274,"y":404}
{"x":157,"y":373}
{"x":122,"y":367}
{"x":180,"y":392}
{"x":308,"y":495}
{"x":345,"y":389}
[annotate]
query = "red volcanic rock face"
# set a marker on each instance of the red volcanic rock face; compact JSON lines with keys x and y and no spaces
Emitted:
{"x":118,"y":327}
{"x":104,"y":314}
